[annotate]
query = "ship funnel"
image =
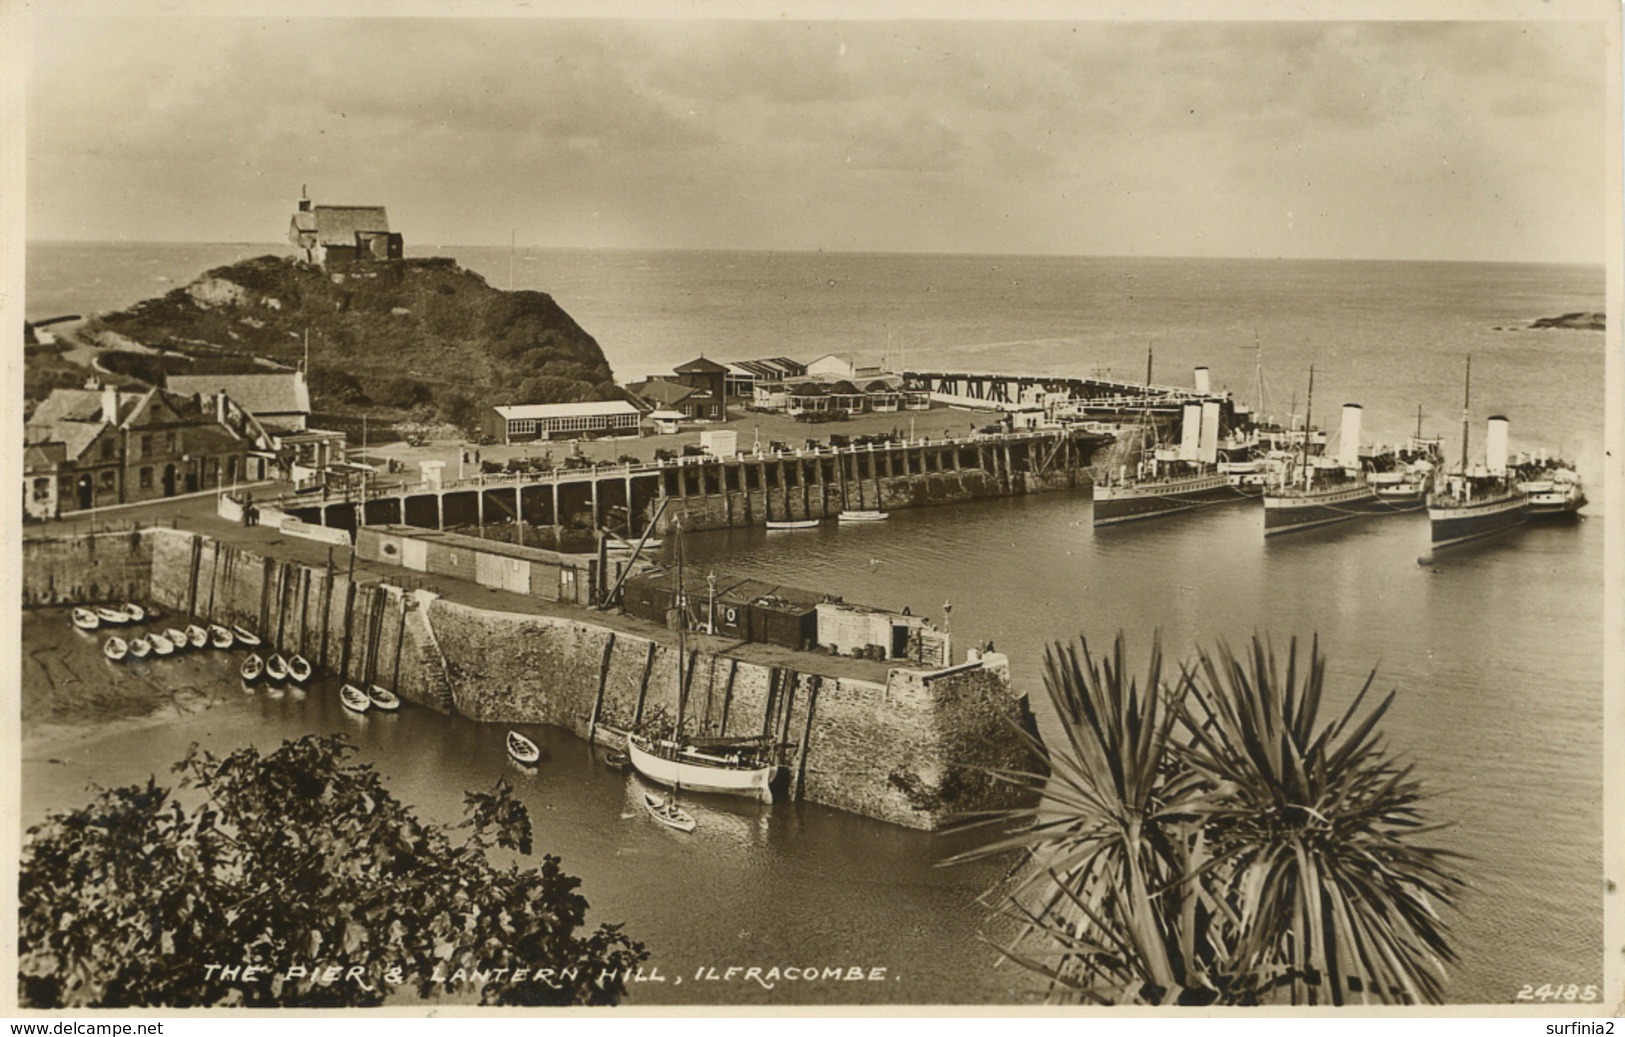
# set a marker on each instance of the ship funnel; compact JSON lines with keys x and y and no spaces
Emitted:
{"x":1495,"y":446}
{"x":1203,"y":384}
{"x":1348,"y":440}
{"x":1208,"y":442}
{"x":1190,"y":431}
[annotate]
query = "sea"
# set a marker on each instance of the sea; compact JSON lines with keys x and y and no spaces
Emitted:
{"x":1494,"y":651}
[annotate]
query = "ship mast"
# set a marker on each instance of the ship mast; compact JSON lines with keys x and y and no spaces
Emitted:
{"x":1308,"y":410}
{"x":1466,"y":414}
{"x":682,"y":633}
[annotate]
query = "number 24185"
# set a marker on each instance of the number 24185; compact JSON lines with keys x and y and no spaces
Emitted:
{"x":1557,"y":992}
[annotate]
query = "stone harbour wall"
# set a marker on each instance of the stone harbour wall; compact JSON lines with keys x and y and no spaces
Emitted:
{"x":100,"y":568}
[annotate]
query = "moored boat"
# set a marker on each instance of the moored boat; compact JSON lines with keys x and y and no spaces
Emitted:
{"x":680,"y":765}
{"x":133,"y":612}
{"x":86,"y":619}
{"x":178,"y":638}
{"x":114,"y":617}
{"x":1554,"y":490}
{"x":1172,"y":479}
{"x":354,"y":699}
{"x":161,"y":644}
{"x":252,"y":668}
{"x":140,"y":647}
{"x":220,"y":637}
{"x":1473,"y":503}
{"x":665,"y":810}
{"x":299,"y":668}
{"x":864,"y":516}
{"x":115,"y":648}
{"x":522,"y":749}
{"x":617,"y":760}
{"x":383,"y":698}
{"x":197,"y":637}
{"x":1329,"y":490}
{"x":775,"y":524}
{"x":276,"y":667}
{"x":250,"y":639}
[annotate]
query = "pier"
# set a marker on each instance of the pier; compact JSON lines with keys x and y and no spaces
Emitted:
{"x":1104,"y":394}
{"x":708,"y":492}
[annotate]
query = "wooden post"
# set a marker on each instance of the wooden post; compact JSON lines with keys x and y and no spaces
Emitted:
{"x":191,"y":589}
{"x":283,"y":572}
{"x":727,"y":698}
{"x":772,"y":700}
{"x":806,"y":736}
{"x":400,"y":636}
{"x":265,"y":594}
{"x":327,"y":606}
{"x":791,"y":679}
{"x":349,"y":625}
{"x":214,"y":573}
{"x":603,"y":678}
{"x":643,"y":686}
{"x":305,"y":576}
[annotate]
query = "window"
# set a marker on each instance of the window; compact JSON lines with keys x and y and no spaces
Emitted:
{"x":169,"y":442}
{"x":108,"y":445}
{"x":42,"y":488}
{"x":145,"y":479}
{"x":146,"y":445}
{"x":108,"y":479}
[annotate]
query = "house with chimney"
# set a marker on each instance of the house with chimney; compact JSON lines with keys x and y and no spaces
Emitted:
{"x":343,"y":233}
{"x":101,"y":445}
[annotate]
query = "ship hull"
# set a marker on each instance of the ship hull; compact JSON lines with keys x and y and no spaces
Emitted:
{"x":753,"y":782}
{"x":1115,"y":504}
{"x":1290,"y":514}
{"x":1459,"y":524}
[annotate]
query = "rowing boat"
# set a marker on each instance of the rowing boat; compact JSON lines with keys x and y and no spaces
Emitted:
{"x":383,"y":698}
{"x":177,"y":638}
{"x":251,"y":640}
{"x":140,"y":647}
{"x":252,"y":667}
{"x":523,"y":749}
{"x":220,"y":637}
{"x":133,"y":612}
{"x":276,"y":668}
{"x":161,"y":644}
{"x":667,"y":812}
{"x":298,"y":669}
{"x":117,"y":617}
{"x":197,"y":636}
{"x":354,"y":698}
{"x":115,"y":648}
{"x":85,"y":619}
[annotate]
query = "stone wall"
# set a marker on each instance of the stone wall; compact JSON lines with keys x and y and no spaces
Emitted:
{"x":906,"y":750}
{"x":92,"y":568}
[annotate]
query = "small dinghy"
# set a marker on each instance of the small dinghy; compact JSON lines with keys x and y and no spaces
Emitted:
{"x":115,"y":649}
{"x":197,"y":637}
{"x":276,"y":668}
{"x":140,"y":647}
{"x":220,"y":637}
{"x":298,"y":669}
{"x":251,"y":640}
{"x":113,"y":616}
{"x":383,"y":698}
{"x":252,"y":667}
{"x":618,"y":760}
{"x":864,"y":516}
{"x":85,"y":619}
{"x":161,"y":644}
{"x":134,"y":613}
{"x":774,"y":524}
{"x":177,"y":638}
{"x":668,"y":813}
{"x":154,"y":613}
{"x":522,"y":749}
{"x":354,"y":698}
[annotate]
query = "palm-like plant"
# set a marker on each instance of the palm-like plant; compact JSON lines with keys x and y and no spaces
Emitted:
{"x":1206,"y":840}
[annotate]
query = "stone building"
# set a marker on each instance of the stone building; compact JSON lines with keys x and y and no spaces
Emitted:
{"x":343,"y":233}
{"x":103,"y":446}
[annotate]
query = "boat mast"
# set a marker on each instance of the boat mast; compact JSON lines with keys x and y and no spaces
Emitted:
{"x":1308,"y":410}
{"x":1466,"y":414}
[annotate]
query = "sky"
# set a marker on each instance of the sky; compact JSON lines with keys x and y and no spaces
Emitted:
{"x":1390,"y":140}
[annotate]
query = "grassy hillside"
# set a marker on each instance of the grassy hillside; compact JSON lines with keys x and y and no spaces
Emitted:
{"x":418,"y":335}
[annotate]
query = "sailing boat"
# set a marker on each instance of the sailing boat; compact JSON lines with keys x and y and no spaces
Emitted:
{"x":732,"y":766}
{"x":1482,"y":501}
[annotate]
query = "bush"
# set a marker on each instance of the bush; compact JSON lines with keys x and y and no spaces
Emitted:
{"x":288,"y":861}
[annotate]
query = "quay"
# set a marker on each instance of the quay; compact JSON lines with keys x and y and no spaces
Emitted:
{"x":899,"y":740}
{"x":709,"y":492}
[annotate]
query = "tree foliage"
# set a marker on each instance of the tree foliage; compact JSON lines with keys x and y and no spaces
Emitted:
{"x":1207,"y":839}
{"x":294,"y":863}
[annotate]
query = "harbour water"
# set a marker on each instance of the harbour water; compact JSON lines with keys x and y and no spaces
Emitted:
{"x":1495,"y":650}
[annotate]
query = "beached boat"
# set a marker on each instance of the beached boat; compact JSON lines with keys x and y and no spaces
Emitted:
{"x":114,"y":617}
{"x":1477,"y":502}
{"x":161,"y":644}
{"x":383,"y":698}
{"x":115,"y":648}
{"x":276,"y":668}
{"x":178,"y":638}
{"x":298,"y":668}
{"x":86,"y":619}
{"x":665,"y":810}
{"x":864,"y":516}
{"x":140,"y":647}
{"x":253,"y":667}
{"x":247,"y":638}
{"x":197,"y":637}
{"x":220,"y":637}
{"x":522,"y":749}
{"x":134,"y":613}
{"x":354,"y":699}
{"x":792,"y":523}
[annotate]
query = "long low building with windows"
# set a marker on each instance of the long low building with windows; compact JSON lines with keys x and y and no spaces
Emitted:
{"x":525,"y":422}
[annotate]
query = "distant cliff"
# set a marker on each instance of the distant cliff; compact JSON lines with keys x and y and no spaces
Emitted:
{"x":415,"y":335}
{"x":1580,"y":321}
